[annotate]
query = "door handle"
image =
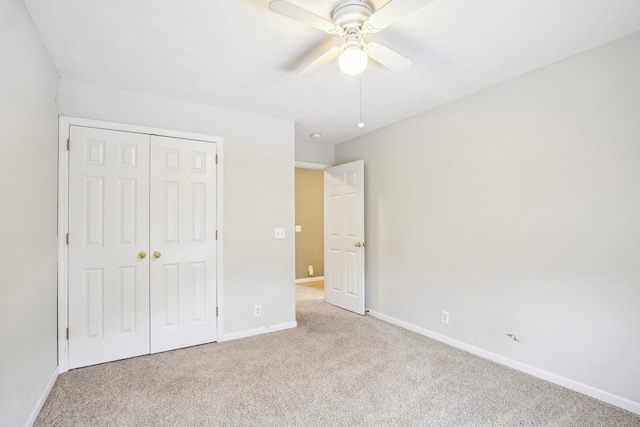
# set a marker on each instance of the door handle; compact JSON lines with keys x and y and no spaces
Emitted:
{"x":157,"y":254}
{"x":358,"y":244}
{"x":142,"y":255}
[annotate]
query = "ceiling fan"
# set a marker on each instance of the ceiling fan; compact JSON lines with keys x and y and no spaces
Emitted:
{"x":352,"y":20}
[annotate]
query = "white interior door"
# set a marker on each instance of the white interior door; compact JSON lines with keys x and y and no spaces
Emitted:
{"x":108,"y":233}
{"x":344,"y":236}
{"x":183,"y":243}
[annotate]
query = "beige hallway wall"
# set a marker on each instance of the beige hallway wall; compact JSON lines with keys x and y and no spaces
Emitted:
{"x":309,"y":215}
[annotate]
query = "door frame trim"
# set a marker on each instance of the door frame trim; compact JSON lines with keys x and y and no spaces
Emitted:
{"x":63,"y":217}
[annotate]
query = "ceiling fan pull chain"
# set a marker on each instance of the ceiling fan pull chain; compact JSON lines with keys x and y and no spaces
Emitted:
{"x":360,"y":123}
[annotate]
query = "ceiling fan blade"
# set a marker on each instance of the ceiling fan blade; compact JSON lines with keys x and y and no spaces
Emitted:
{"x":290,"y":10}
{"x":389,"y":58}
{"x":391,"y":12}
{"x":324,"y":59}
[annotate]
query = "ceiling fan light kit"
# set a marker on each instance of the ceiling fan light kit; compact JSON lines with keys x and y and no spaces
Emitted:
{"x":353,"y":60}
{"x":352,"y":20}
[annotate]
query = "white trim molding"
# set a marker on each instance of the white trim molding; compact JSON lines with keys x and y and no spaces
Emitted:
{"x":309,"y":165}
{"x":43,"y":398}
{"x":258,"y":331}
{"x":63,"y":217}
{"x":310,"y":279}
{"x":602,"y":395}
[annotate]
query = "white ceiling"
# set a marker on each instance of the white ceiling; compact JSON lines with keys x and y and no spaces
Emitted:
{"x":239,"y":55}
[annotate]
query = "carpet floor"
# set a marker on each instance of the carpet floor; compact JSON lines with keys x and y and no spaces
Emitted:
{"x":335,"y":369}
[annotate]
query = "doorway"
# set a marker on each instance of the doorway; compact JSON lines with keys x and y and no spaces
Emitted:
{"x":309,"y":216}
{"x":336,"y":202}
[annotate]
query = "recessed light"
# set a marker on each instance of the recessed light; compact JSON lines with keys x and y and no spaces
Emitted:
{"x":316,"y":136}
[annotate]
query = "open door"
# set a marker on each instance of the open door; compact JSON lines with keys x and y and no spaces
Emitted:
{"x":344,"y":236}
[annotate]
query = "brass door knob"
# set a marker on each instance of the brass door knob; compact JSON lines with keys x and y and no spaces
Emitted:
{"x":358,"y":244}
{"x":156,"y":254}
{"x":142,"y":255}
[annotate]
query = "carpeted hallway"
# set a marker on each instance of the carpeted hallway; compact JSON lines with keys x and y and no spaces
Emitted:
{"x":335,"y":369}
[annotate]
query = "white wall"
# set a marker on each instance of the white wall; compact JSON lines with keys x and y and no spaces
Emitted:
{"x":28,"y":141}
{"x":315,"y":152}
{"x":517,"y":209}
{"x":258,"y":192}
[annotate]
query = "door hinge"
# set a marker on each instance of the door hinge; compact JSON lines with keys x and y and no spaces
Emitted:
{"x":216,"y":159}
{"x":216,"y":311}
{"x":68,"y":144}
{"x":216,"y":234}
{"x":67,"y":238}
{"x":67,"y":333}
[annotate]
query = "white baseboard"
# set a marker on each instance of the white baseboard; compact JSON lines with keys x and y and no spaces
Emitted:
{"x":259,"y":331}
{"x":310,"y":279}
{"x":43,"y":398}
{"x":602,"y":395}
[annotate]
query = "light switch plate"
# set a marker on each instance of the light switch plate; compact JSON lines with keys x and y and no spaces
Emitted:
{"x":279,"y":234}
{"x":298,"y":228}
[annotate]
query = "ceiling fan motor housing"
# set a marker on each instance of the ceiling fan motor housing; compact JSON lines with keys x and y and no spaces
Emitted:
{"x":352,"y":13}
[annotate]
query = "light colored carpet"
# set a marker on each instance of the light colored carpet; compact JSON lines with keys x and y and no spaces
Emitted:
{"x":335,"y":369}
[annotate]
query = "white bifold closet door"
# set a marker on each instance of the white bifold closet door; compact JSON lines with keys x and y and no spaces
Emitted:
{"x":142,"y":250}
{"x":183,"y":243}
{"x":108,"y":228}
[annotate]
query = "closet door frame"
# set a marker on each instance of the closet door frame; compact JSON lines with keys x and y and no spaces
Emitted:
{"x":63,"y":218}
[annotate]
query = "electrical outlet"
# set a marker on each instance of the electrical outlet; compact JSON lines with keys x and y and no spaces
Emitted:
{"x":257,"y":310}
{"x":445,"y":317}
{"x":279,"y":234}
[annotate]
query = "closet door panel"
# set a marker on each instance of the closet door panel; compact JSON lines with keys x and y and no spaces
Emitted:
{"x":183,"y":243}
{"x":108,"y":229}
